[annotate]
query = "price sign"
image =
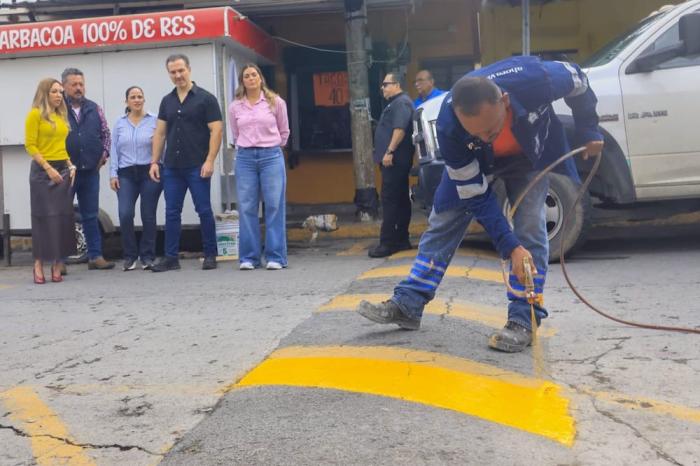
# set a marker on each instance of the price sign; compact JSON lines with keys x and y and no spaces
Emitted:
{"x":331,"y":89}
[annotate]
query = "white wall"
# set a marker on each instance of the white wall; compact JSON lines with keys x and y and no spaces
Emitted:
{"x":107,"y":76}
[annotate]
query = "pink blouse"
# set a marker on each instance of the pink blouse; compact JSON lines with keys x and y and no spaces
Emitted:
{"x":257,"y":125}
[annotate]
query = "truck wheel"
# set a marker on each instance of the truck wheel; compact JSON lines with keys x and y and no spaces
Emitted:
{"x":560,"y":202}
{"x":80,"y":244}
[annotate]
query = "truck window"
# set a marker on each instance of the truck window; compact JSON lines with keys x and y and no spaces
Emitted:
{"x":670,"y":37}
{"x":614,"y":47}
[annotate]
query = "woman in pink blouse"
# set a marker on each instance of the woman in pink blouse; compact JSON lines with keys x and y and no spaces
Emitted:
{"x":258,"y":119}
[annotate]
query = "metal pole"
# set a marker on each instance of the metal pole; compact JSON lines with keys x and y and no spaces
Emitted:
{"x":356,"y":40}
{"x":6,"y":239}
{"x":526,"y":27}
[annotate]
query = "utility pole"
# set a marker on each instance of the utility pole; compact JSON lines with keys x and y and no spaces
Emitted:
{"x":526,"y":27}
{"x":356,"y":40}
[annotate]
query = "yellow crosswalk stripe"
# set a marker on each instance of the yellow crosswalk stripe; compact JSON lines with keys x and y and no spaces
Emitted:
{"x":50,"y":440}
{"x":486,"y":315}
{"x":475,"y":273}
{"x":433,"y":379}
{"x":359,"y":248}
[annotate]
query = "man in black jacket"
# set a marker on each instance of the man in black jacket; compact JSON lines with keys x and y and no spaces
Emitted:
{"x":88,"y":145}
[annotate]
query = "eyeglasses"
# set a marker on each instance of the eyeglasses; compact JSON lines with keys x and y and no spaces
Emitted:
{"x":388,"y":83}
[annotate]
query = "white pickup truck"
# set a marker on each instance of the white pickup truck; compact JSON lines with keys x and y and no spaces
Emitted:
{"x":648,"y":86}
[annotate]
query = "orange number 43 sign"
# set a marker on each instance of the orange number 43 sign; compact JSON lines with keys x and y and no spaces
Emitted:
{"x":331,"y":89}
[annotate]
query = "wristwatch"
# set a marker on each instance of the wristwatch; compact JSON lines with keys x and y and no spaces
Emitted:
{"x":390,"y":152}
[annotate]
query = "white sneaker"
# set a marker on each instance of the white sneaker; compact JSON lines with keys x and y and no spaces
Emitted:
{"x":246,"y":266}
{"x":272,"y":265}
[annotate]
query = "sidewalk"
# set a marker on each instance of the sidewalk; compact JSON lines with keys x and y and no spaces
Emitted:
{"x":348,"y":224}
{"x":349,"y":227}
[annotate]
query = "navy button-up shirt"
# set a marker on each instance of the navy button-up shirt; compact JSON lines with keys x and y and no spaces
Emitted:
{"x":398,"y":114}
{"x":187,"y":136}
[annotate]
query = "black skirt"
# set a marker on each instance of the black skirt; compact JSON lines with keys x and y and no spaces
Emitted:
{"x":53,"y":224}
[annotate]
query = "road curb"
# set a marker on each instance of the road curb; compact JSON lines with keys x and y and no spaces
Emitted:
{"x":353,"y":230}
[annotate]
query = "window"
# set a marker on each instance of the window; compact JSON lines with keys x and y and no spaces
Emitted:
{"x":323,"y":111}
{"x":319,"y":100}
{"x":617,"y":45}
{"x":671,"y":37}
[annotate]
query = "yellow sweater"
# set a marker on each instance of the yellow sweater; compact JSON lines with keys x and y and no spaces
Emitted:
{"x":40,"y":137}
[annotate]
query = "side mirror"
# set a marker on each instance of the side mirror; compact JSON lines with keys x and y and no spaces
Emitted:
{"x":688,"y":45}
{"x":689,"y":33}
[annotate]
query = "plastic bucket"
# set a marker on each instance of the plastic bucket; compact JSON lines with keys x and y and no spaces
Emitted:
{"x":227,"y":237}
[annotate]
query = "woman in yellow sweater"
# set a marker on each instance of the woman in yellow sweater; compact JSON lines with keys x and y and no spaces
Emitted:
{"x":50,"y":180}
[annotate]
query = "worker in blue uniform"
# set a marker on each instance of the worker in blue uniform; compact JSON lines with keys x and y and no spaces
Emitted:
{"x":497,"y":118}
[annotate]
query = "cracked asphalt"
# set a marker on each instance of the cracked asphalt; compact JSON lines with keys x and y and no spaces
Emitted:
{"x":145,"y":368}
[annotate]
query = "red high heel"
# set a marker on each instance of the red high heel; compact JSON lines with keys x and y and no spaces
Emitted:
{"x":39,"y":279}
{"x":56,"y":273}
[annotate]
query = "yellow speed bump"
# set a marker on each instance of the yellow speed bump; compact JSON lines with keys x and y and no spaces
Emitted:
{"x":51,"y":443}
{"x":475,"y":273}
{"x":433,"y":379}
{"x":489,"y":316}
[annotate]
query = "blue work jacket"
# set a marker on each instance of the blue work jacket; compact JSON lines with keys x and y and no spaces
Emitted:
{"x":533,"y":85}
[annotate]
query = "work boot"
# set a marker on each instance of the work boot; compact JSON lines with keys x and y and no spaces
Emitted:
{"x":387,"y":313}
{"x":512,"y":338}
{"x":100,"y":264}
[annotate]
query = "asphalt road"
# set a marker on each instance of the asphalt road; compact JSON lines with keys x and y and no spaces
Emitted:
{"x":230,"y":367}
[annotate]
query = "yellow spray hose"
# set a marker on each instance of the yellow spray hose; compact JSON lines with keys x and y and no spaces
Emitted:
{"x":529,"y":294}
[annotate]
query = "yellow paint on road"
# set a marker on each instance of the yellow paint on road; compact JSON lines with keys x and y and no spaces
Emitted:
{"x":489,"y":316}
{"x":646,"y":405}
{"x":50,"y":440}
{"x":433,"y":379}
{"x":475,"y":273}
{"x":359,"y":248}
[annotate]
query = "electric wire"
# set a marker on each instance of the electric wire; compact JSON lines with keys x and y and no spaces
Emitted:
{"x":318,"y":49}
{"x":582,"y":190}
{"x":370,"y":60}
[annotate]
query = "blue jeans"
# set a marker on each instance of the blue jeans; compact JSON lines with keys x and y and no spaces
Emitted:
{"x":176,"y":182}
{"x":87,"y":190}
{"x":446,"y":231}
{"x":261,"y":170}
{"x":134,"y":182}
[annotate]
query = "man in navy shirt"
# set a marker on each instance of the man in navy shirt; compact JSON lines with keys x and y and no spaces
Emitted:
{"x":425,"y":85}
{"x":190,"y":119}
{"x":499,"y":116}
{"x":393,"y":151}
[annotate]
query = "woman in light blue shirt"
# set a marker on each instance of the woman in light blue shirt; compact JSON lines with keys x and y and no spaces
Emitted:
{"x":129,"y":164}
